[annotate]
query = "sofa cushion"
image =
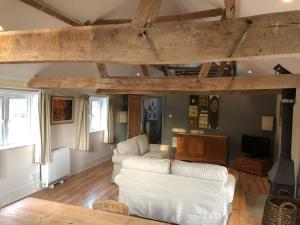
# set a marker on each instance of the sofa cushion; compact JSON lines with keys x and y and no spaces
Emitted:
{"x":200,"y":170}
{"x":143,"y":143}
{"x":147,"y":165}
{"x":154,"y":155}
{"x":118,"y":158}
{"x":129,"y":147}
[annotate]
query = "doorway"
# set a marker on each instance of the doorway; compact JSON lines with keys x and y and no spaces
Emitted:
{"x":152,"y":118}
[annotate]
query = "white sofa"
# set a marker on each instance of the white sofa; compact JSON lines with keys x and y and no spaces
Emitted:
{"x":137,"y":147}
{"x":179,"y":192}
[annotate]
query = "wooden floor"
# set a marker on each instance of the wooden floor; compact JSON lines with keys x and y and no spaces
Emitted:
{"x":93,"y":184}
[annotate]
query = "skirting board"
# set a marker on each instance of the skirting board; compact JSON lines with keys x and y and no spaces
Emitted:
{"x":17,"y":194}
{"x":92,"y":163}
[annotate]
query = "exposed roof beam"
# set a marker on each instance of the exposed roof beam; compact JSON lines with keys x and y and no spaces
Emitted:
{"x":41,"y":6}
{"x":102,"y":70}
{"x":44,"y":7}
{"x":266,"y":36}
{"x":145,"y":13}
{"x":221,"y":69}
{"x":145,"y":71}
{"x":169,"y":84}
{"x":230,"y":8}
{"x":205,"y":68}
{"x":171,"y":18}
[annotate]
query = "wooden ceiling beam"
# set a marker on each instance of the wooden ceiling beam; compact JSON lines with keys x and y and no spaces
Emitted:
{"x":221,"y":69}
{"x":169,"y":84}
{"x":145,"y":13}
{"x":145,"y":71}
{"x":44,"y":7}
{"x":205,"y":68}
{"x":170,"y":18}
{"x":264,"y":36}
{"x":102,"y":70}
{"x":230,"y":8}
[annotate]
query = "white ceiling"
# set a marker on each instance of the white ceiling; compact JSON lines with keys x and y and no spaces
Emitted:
{"x":15,"y":15}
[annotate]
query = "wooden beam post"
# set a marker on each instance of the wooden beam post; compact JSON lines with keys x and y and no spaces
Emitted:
{"x":140,"y":85}
{"x":145,"y":13}
{"x":268,"y":36}
{"x":145,"y":70}
{"x":230,"y":8}
{"x":205,"y":68}
{"x":221,"y":69}
{"x":102,"y":70}
{"x":44,"y":7}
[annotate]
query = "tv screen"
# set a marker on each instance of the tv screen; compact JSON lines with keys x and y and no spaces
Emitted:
{"x":256,"y":146}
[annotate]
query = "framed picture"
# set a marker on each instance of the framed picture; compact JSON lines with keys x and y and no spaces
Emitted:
{"x":62,"y":110}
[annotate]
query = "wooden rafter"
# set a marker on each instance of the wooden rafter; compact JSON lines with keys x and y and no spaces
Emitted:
{"x":102,"y":70}
{"x":230,"y":8}
{"x":205,"y":68}
{"x":264,"y":36}
{"x":145,"y":13}
{"x":221,"y":69}
{"x":139,"y":85}
{"x":171,"y":18}
{"x":145,"y":71}
{"x":44,"y":7}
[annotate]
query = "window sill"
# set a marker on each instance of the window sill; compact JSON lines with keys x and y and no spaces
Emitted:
{"x":95,"y":131}
{"x":15,"y":146}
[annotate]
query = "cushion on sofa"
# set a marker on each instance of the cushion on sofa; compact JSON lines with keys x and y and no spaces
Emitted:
{"x":148,"y":165}
{"x":118,"y":158}
{"x":200,"y":170}
{"x":143,"y":143}
{"x":155,"y":155}
{"x":129,"y":147}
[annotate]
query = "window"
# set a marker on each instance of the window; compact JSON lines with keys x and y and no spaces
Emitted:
{"x":98,"y":113}
{"x":15,"y":117}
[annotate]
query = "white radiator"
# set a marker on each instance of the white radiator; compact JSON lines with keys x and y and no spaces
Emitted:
{"x":58,"y":169}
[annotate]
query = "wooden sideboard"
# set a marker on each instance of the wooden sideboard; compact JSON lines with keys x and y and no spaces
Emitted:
{"x":202,"y":148}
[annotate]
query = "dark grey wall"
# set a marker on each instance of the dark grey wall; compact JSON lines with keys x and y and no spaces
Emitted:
{"x":239,"y":114}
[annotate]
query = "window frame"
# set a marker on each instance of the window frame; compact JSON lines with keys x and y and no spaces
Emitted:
{"x":6,"y":95}
{"x":101,"y":100}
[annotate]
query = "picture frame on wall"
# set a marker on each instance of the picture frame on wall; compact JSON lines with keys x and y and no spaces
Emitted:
{"x":62,"y":110}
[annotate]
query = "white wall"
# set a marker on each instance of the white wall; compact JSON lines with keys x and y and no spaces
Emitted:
{"x":16,"y":169}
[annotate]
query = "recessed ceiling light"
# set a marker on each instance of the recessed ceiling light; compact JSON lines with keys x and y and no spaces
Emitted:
{"x":1,"y":28}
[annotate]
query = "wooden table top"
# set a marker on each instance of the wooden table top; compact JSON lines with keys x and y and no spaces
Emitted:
{"x":32,"y":211}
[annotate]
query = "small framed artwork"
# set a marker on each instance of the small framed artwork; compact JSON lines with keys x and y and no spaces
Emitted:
{"x":62,"y":110}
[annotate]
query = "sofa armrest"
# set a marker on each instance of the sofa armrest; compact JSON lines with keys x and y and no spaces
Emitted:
{"x":157,"y":148}
{"x":116,"y":151}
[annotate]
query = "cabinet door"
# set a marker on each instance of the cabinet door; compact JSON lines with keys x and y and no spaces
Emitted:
{"x":216,"y":150}
{"x":195,"y":147}
{"x":134,"y":115}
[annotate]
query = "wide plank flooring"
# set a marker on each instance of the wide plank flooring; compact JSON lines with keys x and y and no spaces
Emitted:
{"x":95,"y":183}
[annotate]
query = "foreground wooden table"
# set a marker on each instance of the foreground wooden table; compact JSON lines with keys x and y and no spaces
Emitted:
{"x":33,"y":211}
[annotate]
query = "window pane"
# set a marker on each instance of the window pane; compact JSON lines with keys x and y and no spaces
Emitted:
{"x":95,"y":115}
{"x":18,"y":121}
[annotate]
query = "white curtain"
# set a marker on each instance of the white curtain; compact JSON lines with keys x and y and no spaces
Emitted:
{"x":109,"y":128}
{"x":82,"y":123}
{"x":42,"y":127}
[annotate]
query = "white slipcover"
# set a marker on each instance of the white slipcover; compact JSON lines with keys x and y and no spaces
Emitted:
{"x":148,"y":165}
{"x":200,"y":170}
{"x":174,"y":198}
